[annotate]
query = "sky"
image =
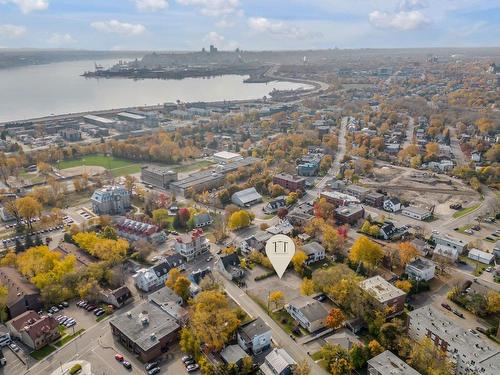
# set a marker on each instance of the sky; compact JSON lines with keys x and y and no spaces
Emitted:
{"x":248,"y":24}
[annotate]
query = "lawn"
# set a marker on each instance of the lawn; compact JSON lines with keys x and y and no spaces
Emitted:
{"x":43,"y":352}
{"x":117,"y":166}
{"x":194,"y":166}
{"x":68,"y":338}
{"x":463,"y":228}
{"x":466,"y":211}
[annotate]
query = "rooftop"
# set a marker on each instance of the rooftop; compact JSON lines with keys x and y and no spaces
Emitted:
{"x":421,"y":264}
{"x":349,"y":210}
{"x":289,"y":177}
{"x":227,"y":155}
{"x":380,"y":289}
{"x":17,"y":285}
{"x":312,"y":248}
{"x":145,"y":325}
{"x":233,"y":354}
{"x":387,"y":363}
{"x":310,"y":308}
{"x":254,"y":328}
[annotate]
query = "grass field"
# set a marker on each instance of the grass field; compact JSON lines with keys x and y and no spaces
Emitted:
{"x":68,"y":338}
{"x":466,"y":211}
{"x":43,"y":352}
{"x":117,"y":166}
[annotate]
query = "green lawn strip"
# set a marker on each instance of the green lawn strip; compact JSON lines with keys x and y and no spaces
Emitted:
{"x":191,"y":167}
{"x":126,"y":170}
{"x":478,"y":266}
{"x":67,"y":338}
{"x":466,"y":211}
{"x":318,"y":358}
{"x":43,"y":352}
{"x":102,"y":317}
{"x":463,"y":228}
{"x":108,"y":162}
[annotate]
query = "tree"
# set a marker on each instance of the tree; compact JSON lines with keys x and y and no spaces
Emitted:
{"x":4,"y":292}
{"x":307,"y":287}
{"x":143,"y":248}
{"x":213,"y":322}
{"x":324,"y":209}
{"x":325,"y":163}
{"x":431,"y":150}
{"x":161,"y":217}
{"x":276,"y":297}
{"x":375,"y":348}
{"x":291,"y":198}
{"x":390,"y":334}
{"x":428,"y":359}
{"x":367,"y":252}
{"x":404,"y":285}
{"x":102,"y":248}
{"x":109,"y":233}
{"x":301,"y":368}
{"x":337,"y":359}
{"x":239,"y":219}
{"x":183,"y":216}
{"x":189,"y":343}
{"x":331,"y":240}
{"x":358,"y":355}
{"x":28,"y":208}
{"x":335,"y":318}
{"x":407,"y":252}
{"x":282,"y":212}
{"x":298,"y":260}
{"x":493,"y":302}
{"x":181,"y":287}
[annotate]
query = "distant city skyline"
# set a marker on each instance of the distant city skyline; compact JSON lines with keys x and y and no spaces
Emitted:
{"x":247,"y":24}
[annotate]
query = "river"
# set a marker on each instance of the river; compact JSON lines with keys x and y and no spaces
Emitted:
{"x":42,"y":90}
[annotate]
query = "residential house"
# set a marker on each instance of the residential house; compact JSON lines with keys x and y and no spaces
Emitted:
{"x":301,"y":214}
{"x":445,"y":252}
{"x":374,"y":199}
{"x":256,"y":241}
{"x":192,"y":245}
{"x":246,"y":198}
{"x":468,"y":351}
{"x":307,"y":312}
{"x":148,"y":279}
{"x":254,"y":336}
{"x":283,"y":227}
{"x":274,"y":205}
{"x":277,"y":362}
{"x":388,"y":230}
{"x":117,"y":297}
{"x":34,"y":330}
{"x":421,"y":246}
{"x":22,"y":295}
{"x":134,"y":230}
{"x":449,"y":241}
{"x":315,"y":252}
{"x":421,"y":269}
{"x":229,"y":267}
{"x":481,"y":256}
{"x":384,"y":294}
{"x":202,"y":220}
{"x":387,"y":363}
{"x":233,"y":354}
{"x":392,"y":205}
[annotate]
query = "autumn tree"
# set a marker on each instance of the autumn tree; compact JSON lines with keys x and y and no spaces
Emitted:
{"x":323,"y":209}
{"x":367,"y":252}
{"x":213,"y":322}
{"x":301,"y":368}
{"x":407,"y":252}
{"x":291,"y":198}
{"x":4,"y":292}
{"x":336,"y":358}
{"x":307,"y":287}
{"x":375,"y":348}
{"x":335,"y":318}
{"x":404,"y":285}
{"x":276,"y":298}
{"x":239,"y":219}
{"x":493,"y":302}
{"x":298,"y":260}
{"x":358,"y":356}
{"x":431,"y":150}
{"x":161,"y":217}
{"x":429,"y":359}
{"x":28,"y":208}
{"x":102,"y":248}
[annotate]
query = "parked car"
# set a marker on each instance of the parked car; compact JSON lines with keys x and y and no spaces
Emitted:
{"x":489,"y":269}
{"x":446,"y":306}
{"x":150,"y":365}
{"x":127,"y":365}
{"x":65,"y":304}
{"x":154,"y":370}
{"x":119,"y":357}
{"x":14,"y":347}
{"x":476,"y":227}
{"x":458,"y":313}
{"x":186,"y":358}
{"x":192,"y":367}
{"x":482,"y":330}
{"x":469,"y":231}
{"x":189,"y":362}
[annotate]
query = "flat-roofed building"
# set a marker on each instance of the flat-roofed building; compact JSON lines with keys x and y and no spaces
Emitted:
{"x":349,"y":214}
{"x":357,"y":191}
{"x":416,"y":213}
{"x":421,"y":269}
{"x":290,"y":182}
{"x":467,"y":350}
{"x":388,"y":363}
{"x":225,"y":157}
{"x":98,"y":120}
{"x":384,"y":294}
{"x":131,"y":117}
{"x":339,"y":199}
{"x":481,"y":256}
{"x":158,"y":176}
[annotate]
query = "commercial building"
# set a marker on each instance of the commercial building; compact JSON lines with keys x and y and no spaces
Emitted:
{"x":374,"y":199}
{"x":98,"y":120}
{"x":339,"y":199}
{"x":467,"y":350}
{"x":308,"y":312}
{"x":225,"y":157}
{"x":158,"y":176}
{"x":387,"y":363}
{"x":131,"y":117}
{"x":22,"y":295}
{"x":357,"y":191}
{"x":421,"y":269}
{"x":198,"y":182}
{"x":349,"y":214}
{"x":448,"y":241}
{"x":192,"y":245}
{"x":290,"y":182}
{"x":110,"y":200}
{"x":481,"y":256}
{"x":34,"y":330}
{"x":146,"y":330}
{"x":384,"y":294}
{"x":254,"y":336}
{"x":416,"y":213}
{"x":246,"y":198}
{"x":70,"y":134}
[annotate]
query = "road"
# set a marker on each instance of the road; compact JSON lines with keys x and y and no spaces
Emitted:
{"x":409,"y":132}
{"x":279,"y":336}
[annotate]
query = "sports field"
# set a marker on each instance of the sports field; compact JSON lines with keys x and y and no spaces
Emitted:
{"x":117,"y":166}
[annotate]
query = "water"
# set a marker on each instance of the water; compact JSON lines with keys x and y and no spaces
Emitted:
{"x":42,"y":90}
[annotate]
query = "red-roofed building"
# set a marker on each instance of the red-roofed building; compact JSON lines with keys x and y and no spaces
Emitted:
{"x":192,"y":244}
{"x":34,"y":330}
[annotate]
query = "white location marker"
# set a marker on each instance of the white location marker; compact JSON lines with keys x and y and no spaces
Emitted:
{"x":280,"y":250}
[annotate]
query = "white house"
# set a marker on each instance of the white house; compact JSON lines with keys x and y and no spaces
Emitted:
{"x":254,"y":336}
{"x":447,"y":252}
{"x":192,"y":244}
{"x":416,"y":213}
{"x":449,"y":241}
{"x":308,"y":312}
{"x":314,"y":251}
{"x":392,"y":205}
{"x":481,"y":256}
{"x":147,"y":279}
{"x":421,"y":269}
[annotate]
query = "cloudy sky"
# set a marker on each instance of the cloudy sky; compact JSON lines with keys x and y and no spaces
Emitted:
{"x":248,"y":24}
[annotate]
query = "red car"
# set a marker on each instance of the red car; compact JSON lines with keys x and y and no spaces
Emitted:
{"x":119,"y":357}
